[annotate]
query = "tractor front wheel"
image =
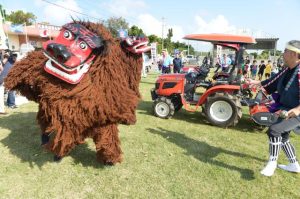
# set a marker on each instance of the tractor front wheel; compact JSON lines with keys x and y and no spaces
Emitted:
{"x":163,"y":108}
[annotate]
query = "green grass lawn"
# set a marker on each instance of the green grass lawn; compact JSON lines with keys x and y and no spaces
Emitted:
{"x":183,"y":157}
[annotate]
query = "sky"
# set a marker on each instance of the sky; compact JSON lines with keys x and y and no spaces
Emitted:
{"x":257,"y":18}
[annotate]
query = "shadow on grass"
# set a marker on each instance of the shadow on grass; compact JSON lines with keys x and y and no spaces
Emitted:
{"x":24,"y":142}
{"x":204,"y":152}
{"x":245,"y":123}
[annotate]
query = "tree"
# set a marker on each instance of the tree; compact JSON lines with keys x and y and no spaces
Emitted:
{"x":264,"y":54}
{"x":254,"y":55}
{"x":278,"y":53}
{"x":167,"y":41}
{"x":3,"y":12}
{"x":170,"y":34}
{"x":136,"y":31}
{"x":20,"y":17}
{"x":114,"y":24}
{"x":154,"y":38}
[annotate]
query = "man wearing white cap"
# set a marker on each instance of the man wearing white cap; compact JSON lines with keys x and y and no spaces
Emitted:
{"x":287,"y":84}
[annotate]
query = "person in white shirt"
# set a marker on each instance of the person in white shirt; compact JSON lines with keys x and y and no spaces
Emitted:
{"x":225,"y":63}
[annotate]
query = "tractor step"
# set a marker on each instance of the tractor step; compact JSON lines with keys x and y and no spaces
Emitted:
{"x":193,"y":102}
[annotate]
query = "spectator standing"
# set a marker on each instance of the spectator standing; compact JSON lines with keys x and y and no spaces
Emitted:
{"x":280,"y":66}
{"x":11,"y":95}
{"x":274,"y":69}
{"x":268,"y":70}
{"x":253,"y":69}
{"x":218,"y":63}
{"x":166,"y":62}
{"x":245,"y":68}
{"x":144,"y":73}
{"x":225,"y":62}
{"x":261,"y":69}
{"x":2,"y":109}
{"x":177,"y":63}
{"x":2,"y":71}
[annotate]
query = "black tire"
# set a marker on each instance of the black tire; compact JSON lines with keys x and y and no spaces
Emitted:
{"x":176,"y":100}
{"x":163,"y":108}
{"x":223,"y":110}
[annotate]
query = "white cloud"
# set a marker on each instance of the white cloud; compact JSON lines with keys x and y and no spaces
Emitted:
{"x":152,"y":25}
{"x":178,"y":33}
{"x":124,"y":8}
{"x":59,"y":16}
{"x":217,"y":25}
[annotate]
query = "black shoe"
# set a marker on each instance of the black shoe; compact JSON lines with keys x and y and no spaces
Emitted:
{"x":57,"y":158}
{"x":108,"y":164}
{"x":45,"y":139}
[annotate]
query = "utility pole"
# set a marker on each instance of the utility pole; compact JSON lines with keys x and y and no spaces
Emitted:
{"x":162,"y":33}
{"x":188,"y":47}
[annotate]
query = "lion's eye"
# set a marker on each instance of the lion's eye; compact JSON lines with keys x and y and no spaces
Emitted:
{"x":68,"y":35}
{"x":83,"y":45}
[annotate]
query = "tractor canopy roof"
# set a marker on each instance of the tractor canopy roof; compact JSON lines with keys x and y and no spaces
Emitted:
{"x":231,"y":41}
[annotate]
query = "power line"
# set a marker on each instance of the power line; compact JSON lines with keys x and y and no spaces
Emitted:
{"x":71,"y":10}
{"x":162,"y":33}
{"x":81,"y":13}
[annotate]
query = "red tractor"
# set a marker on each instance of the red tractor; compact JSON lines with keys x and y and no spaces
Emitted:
{"x":221,"y":100}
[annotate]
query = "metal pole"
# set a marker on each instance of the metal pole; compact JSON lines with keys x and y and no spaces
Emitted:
{"x":275,"y":49}
{"x":162,"y":34}
{"x":26,"y":36}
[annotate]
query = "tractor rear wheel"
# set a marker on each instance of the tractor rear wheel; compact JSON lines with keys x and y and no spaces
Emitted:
{"x":223,"y":109}
{"x":163,"y":108}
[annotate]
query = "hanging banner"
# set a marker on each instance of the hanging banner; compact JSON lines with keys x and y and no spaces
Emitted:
{"x":17,"y":28}
{"x":153,"y":52}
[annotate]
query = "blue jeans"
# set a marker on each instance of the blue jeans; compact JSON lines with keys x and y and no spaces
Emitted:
{"x":11,"y":98}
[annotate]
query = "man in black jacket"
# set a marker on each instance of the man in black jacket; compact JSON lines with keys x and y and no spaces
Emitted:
{"x":177,"y":63}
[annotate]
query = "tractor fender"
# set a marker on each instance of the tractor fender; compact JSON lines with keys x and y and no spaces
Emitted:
{"x":219,"y":88}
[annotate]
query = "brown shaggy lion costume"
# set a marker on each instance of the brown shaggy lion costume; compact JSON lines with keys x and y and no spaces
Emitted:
{"x":107,"y":94}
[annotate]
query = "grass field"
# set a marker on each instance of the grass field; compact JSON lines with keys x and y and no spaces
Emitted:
{"x":183,"y":157}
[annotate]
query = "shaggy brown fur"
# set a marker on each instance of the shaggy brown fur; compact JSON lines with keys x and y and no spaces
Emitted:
{"x":107,"y":95}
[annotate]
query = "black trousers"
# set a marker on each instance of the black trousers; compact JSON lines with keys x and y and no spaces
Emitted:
{"x":166,"y":70}
{"x":283,"y":127}
{"x":176,"y":69}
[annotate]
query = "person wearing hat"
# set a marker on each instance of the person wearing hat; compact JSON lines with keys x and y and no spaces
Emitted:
{"x":287,"y":84}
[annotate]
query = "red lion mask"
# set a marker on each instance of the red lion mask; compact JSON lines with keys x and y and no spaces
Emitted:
{"x":71,"y":53}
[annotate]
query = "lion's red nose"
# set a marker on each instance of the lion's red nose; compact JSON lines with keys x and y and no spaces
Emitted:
{"x":59,"y":52}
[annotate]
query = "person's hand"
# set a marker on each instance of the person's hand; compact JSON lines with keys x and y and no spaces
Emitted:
{"x":253,"y":83}
{"x":293,"y":112}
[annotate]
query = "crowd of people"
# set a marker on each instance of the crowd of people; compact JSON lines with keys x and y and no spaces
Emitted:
{"x":254,"y":70}
{"x":7,"y":59}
